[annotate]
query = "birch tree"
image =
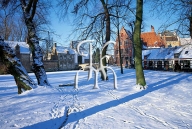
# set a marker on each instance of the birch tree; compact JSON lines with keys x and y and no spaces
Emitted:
{"x":15,"y":68}
{"x":29,"y":10}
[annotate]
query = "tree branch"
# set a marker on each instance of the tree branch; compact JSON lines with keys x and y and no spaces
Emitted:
{"x":29,"y":5}
{"x":34,"y":9}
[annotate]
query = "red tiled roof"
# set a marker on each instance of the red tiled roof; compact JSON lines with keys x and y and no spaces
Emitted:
{"x":150,"y":39}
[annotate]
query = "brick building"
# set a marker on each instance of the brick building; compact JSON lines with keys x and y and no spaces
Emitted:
{"x":164,"y":39}
{"x":151,"y":39}
{"x":126,"y":48}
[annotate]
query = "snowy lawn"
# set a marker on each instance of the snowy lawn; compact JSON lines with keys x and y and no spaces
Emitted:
{"x":165,"y":104}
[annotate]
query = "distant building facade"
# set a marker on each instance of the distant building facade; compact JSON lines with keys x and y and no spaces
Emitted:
{"x":82,"y":49}
{"x":66,"y":57}
{"x":170,"y":38}
{"x":126,"y":48}
{"x":61,"y":58}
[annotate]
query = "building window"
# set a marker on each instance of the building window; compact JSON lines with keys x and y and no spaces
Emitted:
{"x":121,"y":51}
{"x":116,"y":51}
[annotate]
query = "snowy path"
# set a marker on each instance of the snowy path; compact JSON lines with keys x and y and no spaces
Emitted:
{"x":166,"y":103}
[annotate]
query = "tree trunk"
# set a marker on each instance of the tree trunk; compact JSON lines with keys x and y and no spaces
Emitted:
{"x":33,"y":41}
{"x":190,"y":29}
{"x":120,"y":59}
{"x":107,"y":38}
{"x":140,"y":79}
{"x":15,"y":68}
{"x":37,"y":66}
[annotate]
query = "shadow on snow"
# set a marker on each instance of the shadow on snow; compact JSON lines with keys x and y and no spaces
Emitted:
{"x":88,"y":112}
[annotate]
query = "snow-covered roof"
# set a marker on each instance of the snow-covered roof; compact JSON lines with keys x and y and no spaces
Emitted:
{"x":24,"y":47}
{"x":185,"y":41}
{"x":61,"y":49}
{"x":187,"y":52}
{"x":168,"y":53}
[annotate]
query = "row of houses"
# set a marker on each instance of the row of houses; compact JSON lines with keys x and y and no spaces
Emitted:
{"x":60,"y":58}
{"x":162,"y":51}
{"x":165,"y":50}
{"x":171,"y":58}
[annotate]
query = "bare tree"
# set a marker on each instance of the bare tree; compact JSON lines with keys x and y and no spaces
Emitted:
{"x":176,"y":12}
{"x":6,"y":23}
{"x":29,"y":10}
{"x":92,"y":19}
{"x":11,"y":24}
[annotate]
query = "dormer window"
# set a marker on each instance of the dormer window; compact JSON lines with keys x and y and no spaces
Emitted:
{"x":186,"y":52}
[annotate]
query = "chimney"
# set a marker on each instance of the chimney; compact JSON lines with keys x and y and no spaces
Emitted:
{"x":55,"y":45}
{"x":152,"y":29}
{"x":17,"y":51}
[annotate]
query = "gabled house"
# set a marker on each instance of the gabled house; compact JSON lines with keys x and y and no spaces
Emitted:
{"x":168,"y":58}
{"x":170,"y":38}
{"x":66,"y":57}
{"x":151,"y":39}
{"x":126,"y":48}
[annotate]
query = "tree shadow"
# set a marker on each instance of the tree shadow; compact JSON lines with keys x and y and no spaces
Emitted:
{"x":49,"y":124}
{"x":76,"y":116}
{"x":152,"y":87}
{"x":54,"y":123}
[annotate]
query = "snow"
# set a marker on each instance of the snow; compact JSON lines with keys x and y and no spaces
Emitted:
{"x":61,"y":49}
{"x":187,"y":52}
{"x":165,"y":104}
{"x":24,"y":47}
{"x":185,"y":41}
{"x":168,"y":53}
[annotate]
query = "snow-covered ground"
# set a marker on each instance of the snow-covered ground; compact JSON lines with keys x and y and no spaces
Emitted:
{"x":165,"y":104}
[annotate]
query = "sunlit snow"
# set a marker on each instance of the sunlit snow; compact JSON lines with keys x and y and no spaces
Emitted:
{"x":165,"y":104}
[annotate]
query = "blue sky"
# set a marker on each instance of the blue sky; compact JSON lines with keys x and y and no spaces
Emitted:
{"x":64,"y":28}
